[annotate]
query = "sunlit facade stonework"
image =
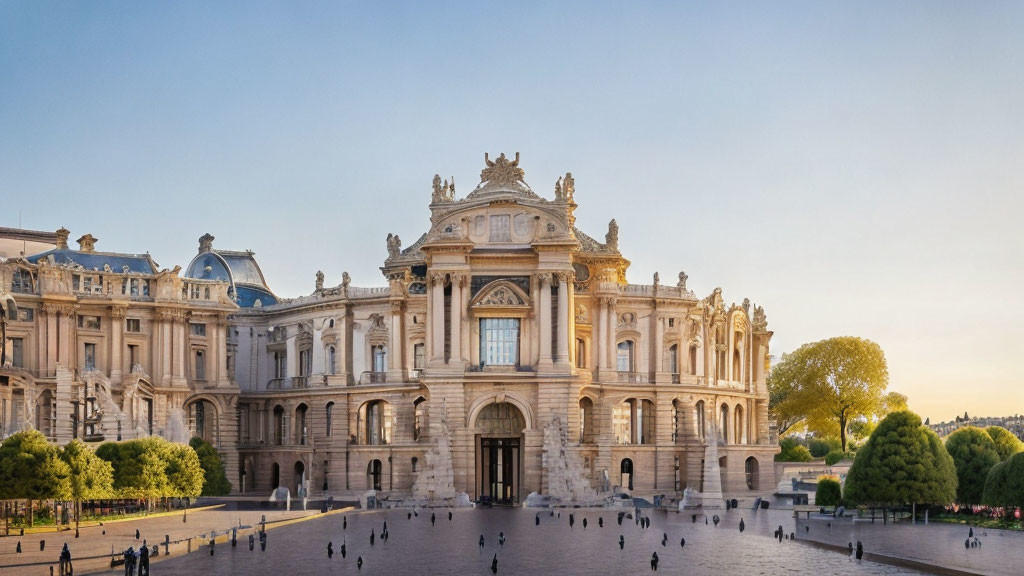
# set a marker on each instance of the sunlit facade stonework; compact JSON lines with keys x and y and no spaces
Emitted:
{"x":501,"y":317}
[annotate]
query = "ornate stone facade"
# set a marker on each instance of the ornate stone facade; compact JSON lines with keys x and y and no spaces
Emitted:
{"x":502,"y":316}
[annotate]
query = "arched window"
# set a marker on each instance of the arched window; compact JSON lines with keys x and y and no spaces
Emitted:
{"x":419,"y":417}
{"x":330,"y":419}
{"x":415,"y":461}
{"x":693,"y":360}
{"x":300,"y":423}
{"x":275,"y":479}
{"x":586,"y":420}
{"x":279,"y":426}
{"x":626,"y":473}
{"x":581,"y":353}
{"x":332,"y":362}
{"x":699,"y":419}
{"x":374,"y":471}
{"x":380,"y":358}
{"x":330,"y":323}
{"x":737,"y":433}
{"x":737,"y":374}
{"x":624,"y":356}
{"x":633,"y":421}
{"x":723,"y":424}
{"x":376,"y":417}
{"x":673,"y":359}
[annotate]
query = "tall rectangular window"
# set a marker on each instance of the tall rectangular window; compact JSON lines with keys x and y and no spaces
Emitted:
{"x":133,"y":356}
{"x":90,"y":355}
{"x":380,"y":359}
{"x":17,"y":352}
{"x":305,"y":362}
{"x":499,"y":341}
{"x":419,"y":356}
{"x":200,"y":365}
{"x":624,"y":356}
{"x":198,"y":329}
{"x":280,"y":364}
{"x":332,"y":360}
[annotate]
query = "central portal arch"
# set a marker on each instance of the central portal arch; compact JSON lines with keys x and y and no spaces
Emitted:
{"x":499,"y":438}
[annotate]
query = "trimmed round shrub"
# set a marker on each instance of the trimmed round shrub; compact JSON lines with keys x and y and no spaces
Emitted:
{"x":829,"y":493}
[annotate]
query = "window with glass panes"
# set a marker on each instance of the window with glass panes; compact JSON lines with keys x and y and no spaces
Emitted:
{"x":499,"y":341}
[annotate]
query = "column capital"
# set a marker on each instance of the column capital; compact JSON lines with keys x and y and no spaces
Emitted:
{"x":544,"y":278}
{"x":118,"y":311}
{"x":566,"y":276}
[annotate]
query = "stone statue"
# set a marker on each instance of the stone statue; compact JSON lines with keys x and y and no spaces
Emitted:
{"x":394,"y":246}
{"x":611,"y":239}
{"x":569,"y":187}
{"x":502,"y":170}
{"x":319,"y":281}
{"x":438,"y":195}
{"x":657,"y":279}
{"x":746,"y":306}
{"x":345,"y":280}
{"x":760,"y":320}
{"x":682,"y":280}
{"x":450,"y":194}
{"x":558,"y":190}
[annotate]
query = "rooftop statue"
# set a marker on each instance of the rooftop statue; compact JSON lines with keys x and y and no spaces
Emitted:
{"x":682,"y":280}
{"x":319,"y":281}
{"x":502,"y":170}
{"x":611,"y":239}
{"x":394,"y":246}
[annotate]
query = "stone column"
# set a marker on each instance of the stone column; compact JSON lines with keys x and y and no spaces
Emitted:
{"x":437,"y":322}
{"x":117,"y":314}
{"x":222,"y":350}
{"x":545,"y":319}
{"x":51,"y":338}
{"x":395,"y":355}
{"x":343,"y":355}
{"x":659,"y":347}
{"x":291,"y":362}
{"x":164,"y":319}
{"x":612,"y":323}
{"x":179,"y":350}
{"x":458,"y":284}
{"x":65,"y":353}
{"x":565,"y":317}
{"x":534,"y":340}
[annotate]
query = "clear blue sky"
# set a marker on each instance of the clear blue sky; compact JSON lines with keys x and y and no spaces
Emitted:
{"x":855,"y":168}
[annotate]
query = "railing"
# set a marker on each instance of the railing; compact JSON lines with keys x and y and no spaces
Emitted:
{"x":632,"y":377}
{"x":675,"y":378}
{"x":415,"y":375}
{"x":500,"y":368}
{"x":300,"y":381}
{"x":373,"y":378}
{"x":276,"y":384}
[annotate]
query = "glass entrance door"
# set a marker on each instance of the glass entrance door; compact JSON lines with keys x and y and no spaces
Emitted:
{"x":500,"y":469}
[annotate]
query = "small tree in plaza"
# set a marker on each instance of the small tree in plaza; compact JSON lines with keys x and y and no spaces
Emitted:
{"x":1006,"y":443}
{"x":974,"y":454}
{"x":792,"y":452}
{"x":31,"y":468}
{"x":91,"y":477}
{"x":139,"y":467}
{"x":184,"y":474}
{"x":215,"y":481}
{"x":829,"y":492}
{"x":1004,"y":486}
{"x":902,"y":463}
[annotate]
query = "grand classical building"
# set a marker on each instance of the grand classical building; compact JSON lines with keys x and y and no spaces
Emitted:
{"x":500,"y":320}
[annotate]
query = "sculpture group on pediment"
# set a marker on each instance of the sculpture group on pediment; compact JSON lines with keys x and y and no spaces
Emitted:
{"x":502,"y":297}
{"x":442,"y":191}
{"x":502,"y":170}
{"x":760,"y":320}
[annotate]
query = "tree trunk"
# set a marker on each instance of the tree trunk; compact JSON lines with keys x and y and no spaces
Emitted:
{"x":31,"y":517}
{"x":842,"y":433}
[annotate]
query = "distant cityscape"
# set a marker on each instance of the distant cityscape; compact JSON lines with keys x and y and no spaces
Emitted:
{"x":1014,"y":424}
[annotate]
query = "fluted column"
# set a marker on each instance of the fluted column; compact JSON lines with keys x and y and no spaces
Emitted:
{"x":65,"y":353}
{"x":222,"y":350}
{"x":117,"y":314}
{"x":178,"y":367}
{"x":437,"y":321}
{"x":51,"y":338}
{"x":165,"y":346}
{"x":612,"y":323}
{"x":458,"y":285}
{"x":395,"y":354}
{"x":564,"y":319}
{"x":600,"y":342}
{"x":545,"y":319}
{"x":659,"y":344}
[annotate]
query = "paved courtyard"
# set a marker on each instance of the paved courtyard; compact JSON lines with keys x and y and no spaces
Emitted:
{"x":91,"y":551}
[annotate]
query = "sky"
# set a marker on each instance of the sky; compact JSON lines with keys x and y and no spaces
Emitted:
{"x":855,"y":168}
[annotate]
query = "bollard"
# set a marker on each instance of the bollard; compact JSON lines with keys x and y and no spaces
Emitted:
{"x":42,"y":545}
{"x":167,"y":544}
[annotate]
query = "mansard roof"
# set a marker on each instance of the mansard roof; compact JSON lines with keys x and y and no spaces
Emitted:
{"x":118,"y":262}
{"x":237,"y":267}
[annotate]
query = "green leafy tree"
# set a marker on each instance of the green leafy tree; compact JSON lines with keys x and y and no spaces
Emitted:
{"x":91,"y":477}
{"x":184,"y":474}
{"x":1006,"y":443}
{"x":827,"y":385}
{"x":792,"y":452}
{"x":215,"y":479}
{"x":819,"y":447}
{"x":974,"y":454}
{"x":1005,"y":483}
{"x":829,"y":493}
{"x":902,"y":463}
{"x":139,"y":466}
{"x":31,"y":468}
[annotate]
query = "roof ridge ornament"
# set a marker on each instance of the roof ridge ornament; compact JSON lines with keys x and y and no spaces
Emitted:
{"x":502,"y":171}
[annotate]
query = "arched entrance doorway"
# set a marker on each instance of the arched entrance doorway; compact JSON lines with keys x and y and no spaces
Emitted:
{"x":752,"y":470}
{"x":374,"y":471}
{"x":626,"y":473}
{"x":300,"y":478}
{"x":275,"y":476}
{"x":499,"y":428}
